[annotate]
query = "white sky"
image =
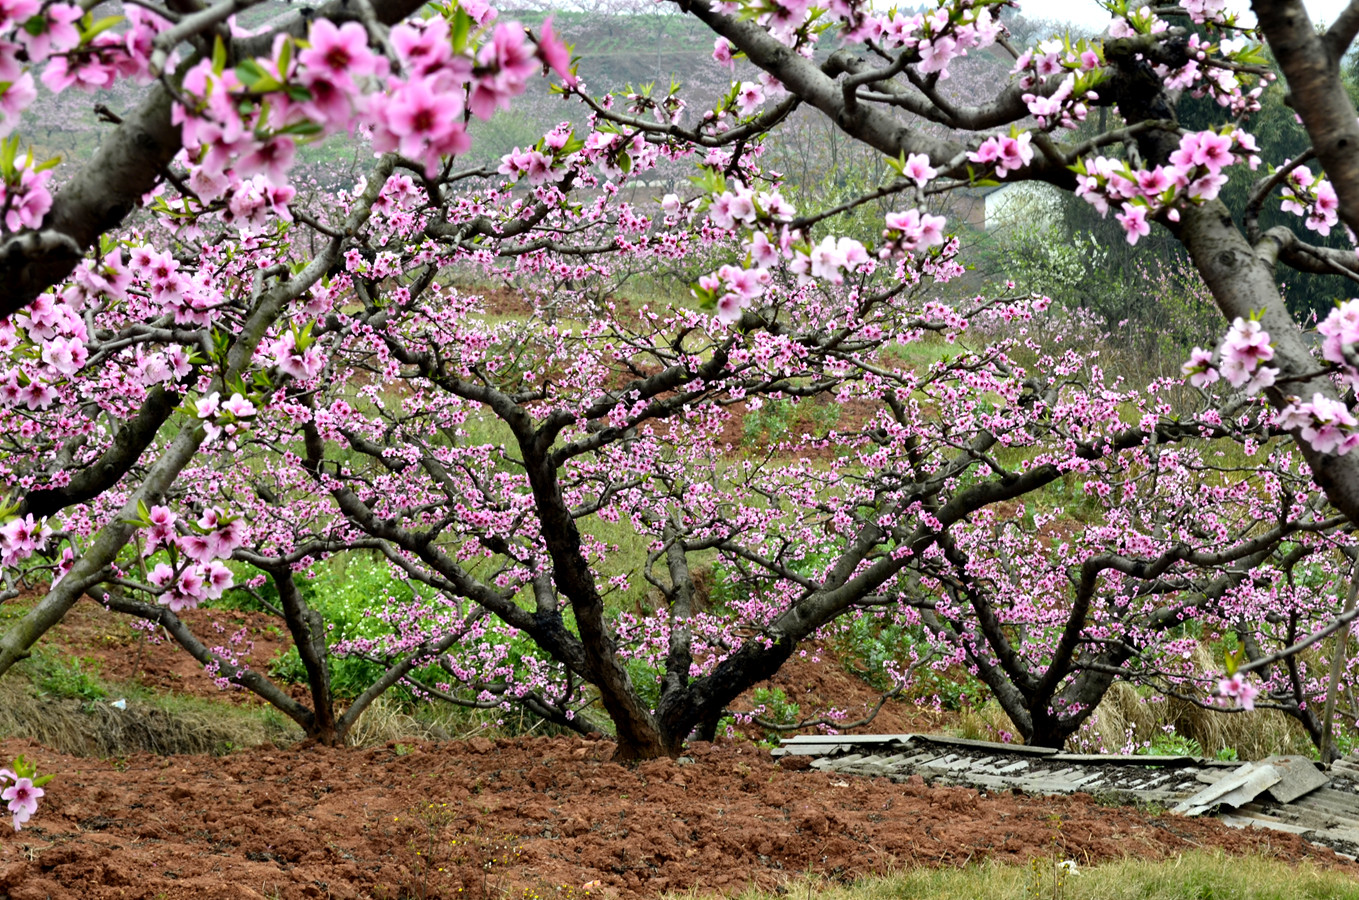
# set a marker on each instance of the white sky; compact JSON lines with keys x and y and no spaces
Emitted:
{"x":1087,"y":13}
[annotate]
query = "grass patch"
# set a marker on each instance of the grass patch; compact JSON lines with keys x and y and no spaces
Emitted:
{"x":66,"y":678}
{"x":1201,"y":875}
{"x":61,"y":704}
{"x":1129,"y":719}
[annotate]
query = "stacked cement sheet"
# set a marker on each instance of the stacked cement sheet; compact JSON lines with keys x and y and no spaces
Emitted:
{"x":1291,"y":794}
{"x":988,"y":766}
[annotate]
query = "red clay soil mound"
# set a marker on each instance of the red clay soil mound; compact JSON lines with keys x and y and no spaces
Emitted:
{"x":817,"y":682}
{"x":522,"y":818}
{"x":120,"y":653}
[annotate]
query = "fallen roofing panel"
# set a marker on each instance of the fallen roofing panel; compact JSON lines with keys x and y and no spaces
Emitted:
{"x":1242,"y":786}
{"x":1286,"y":793}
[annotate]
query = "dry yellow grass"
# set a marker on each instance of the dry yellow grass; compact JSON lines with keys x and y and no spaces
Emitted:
{"x":165,"y":725}
{"x":1193,"y":876}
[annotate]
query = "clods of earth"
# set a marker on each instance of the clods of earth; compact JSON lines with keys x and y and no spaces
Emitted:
{"x":534,"y":818}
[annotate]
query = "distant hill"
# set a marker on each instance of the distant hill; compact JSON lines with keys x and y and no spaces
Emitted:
{"x":615,"y":51}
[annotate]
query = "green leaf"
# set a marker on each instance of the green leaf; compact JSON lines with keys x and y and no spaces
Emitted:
{"x":219,"y":56}
{"x":9,"y":149}
{"x":709,"y":181}
{"x":98,"y":28}
{"x":459,"y":30}
{"x":251,"y":74}
{"x":303,"y":129}
{"x":285,"y":57}
{"x":297,"y":93}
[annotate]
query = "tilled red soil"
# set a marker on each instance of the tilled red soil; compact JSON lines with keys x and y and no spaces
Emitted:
{"x":545,"y":817}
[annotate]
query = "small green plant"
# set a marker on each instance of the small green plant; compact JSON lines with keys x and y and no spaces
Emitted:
{"x":870,"y":644}
{"x":768,"y":424}
{"x":68,"y":678}
{"x":776,"y":707}
{"x":429,"y":847}
{"x":824,"y":415}
{"x":1049,"y":873}
{"x":459,"y":864}
{"x":1172,"y":744}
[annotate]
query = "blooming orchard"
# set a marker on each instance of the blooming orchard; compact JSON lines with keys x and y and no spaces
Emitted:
{"x":214,"y":380}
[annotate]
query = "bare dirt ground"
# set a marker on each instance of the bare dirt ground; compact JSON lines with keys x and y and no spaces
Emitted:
{"x":526,"y":818}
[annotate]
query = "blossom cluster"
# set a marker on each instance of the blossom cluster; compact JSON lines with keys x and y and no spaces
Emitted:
{"x":195,"y":572}
{"x":1212,"y":69}
{"x":1080,"y":66}
{"x":1004,"y":153}
{"x":763,"y":220}
{"x":1325,"y":423}
{"x":932,"y":38}
{"x":935,"y":36}
{"x":73,"y":50}
{"x":1241,"y":355}
{"x":1193,"y":174}
{"x":1235,"y":688}
{"x":241,"y":125}
{"x":21,"y":537}
{"x":62,"y":36}
{"x":1216,"y":70}
{"x":1312,"y":198}
{"x":22,"y":789}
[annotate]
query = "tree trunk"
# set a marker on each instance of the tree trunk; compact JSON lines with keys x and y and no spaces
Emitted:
{"x":309,"y":636}
{"x":1050,"y":731}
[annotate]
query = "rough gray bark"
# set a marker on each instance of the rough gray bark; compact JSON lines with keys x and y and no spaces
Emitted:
{"x":125,"y":452}
{"x":309,"y":637}
{"x":1311,"y":64}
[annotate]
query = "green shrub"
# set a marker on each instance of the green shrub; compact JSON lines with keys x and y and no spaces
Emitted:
{"x":66,"y":678}
{"x":769,"y":424}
